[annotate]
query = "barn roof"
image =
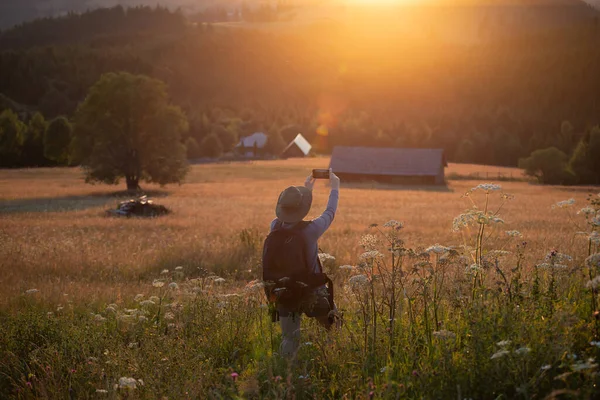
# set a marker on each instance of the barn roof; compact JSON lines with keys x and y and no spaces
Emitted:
{"x":387,"y":161}
{"x":258,"y":138}
{"x":301,"y":142}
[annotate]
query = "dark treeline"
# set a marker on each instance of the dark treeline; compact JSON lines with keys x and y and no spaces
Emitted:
{"x":489,"y":92}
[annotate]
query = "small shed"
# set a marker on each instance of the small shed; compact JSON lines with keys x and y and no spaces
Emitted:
{"x":299,"y":147}
{"x":253,"y":145}
{"x":389,"y":165}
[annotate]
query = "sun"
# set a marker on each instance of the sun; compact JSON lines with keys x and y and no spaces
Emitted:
{"x":381,"y":2}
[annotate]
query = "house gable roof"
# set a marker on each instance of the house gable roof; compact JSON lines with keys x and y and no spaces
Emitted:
{"x":301,"y":142}
{"x":387,"y":161}
{"x":258,"y":138}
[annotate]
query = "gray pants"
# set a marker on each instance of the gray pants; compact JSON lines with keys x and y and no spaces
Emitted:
{"x":290,"y":323}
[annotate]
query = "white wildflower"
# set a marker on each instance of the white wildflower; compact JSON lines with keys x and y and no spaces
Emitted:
{"x":127,"y":383}
{"x":564,"y":203}
{"x":180,"y":268}
{"x":111,"y":308}
{"x":59,"y":308}
{"x":587,"y":211}
{"x":32,"y":291}
{"x":594,"y":283}
{"x":231,"y":295}
{"x":138,"y":297}
{"x":173,"y":286}
{"x":583,"y":365}
{"x":595,"y":343}
{"x":593,"y":261}
{"x":382,"y":370}
{"x":308,"y":344}
{"x":99,"y":318}
{"x":142,"y":319}
{"x":393,"y":224}
{"x":164,"y":272}
{"x":133,"y":345}
{"x":503,"y":343}
{"x":444,"y":335}
{"x":487,"y":187}
{"x":219,"y":280}
{"x":514,"y":234}
{"x":370,"y":255}
{"x":546,"y":367}
{"x":437,"y":249}
{"x":255,"y":285}
{"x":128,"y":319}
{"x":522,"y":351}
{"x":348,"y":267}
{"x":358,"y":281}
{"x":368,"y":242}
{"x":147,"y":303}
{"x":473,"y":269}
{"x":499,"y":354}
{"x":101,"y":391}
{"x":325,"y":257}
{"x":158,"y":284}
{"x":155,"y":299}
{"x":49,"y":314}
{"x":497,"y":253}
{"x":169,"y":316}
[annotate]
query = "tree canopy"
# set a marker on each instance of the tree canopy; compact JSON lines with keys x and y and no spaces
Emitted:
{"x":126,"y":128}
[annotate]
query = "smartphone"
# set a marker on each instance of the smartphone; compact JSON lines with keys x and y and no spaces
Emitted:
{"x":320,"y":173}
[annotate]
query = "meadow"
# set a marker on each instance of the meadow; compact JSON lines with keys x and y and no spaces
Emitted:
{"x":499,"y":303}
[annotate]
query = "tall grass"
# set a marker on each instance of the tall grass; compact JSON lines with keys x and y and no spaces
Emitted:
{"x":96,"y":307}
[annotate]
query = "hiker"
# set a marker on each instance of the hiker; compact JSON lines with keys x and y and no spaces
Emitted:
{"x":293,"y":275}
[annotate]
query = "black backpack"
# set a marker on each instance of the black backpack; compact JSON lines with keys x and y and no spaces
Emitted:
{"x":286,"y":272}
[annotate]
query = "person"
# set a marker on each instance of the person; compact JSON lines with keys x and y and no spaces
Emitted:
{"x":293,"y":205}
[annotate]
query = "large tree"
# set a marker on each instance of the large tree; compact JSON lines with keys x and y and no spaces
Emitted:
{"x":56,"y":140}
{"x":127,"y":128}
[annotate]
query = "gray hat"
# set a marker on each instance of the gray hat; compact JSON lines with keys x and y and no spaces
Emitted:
{"x":293,"y":204}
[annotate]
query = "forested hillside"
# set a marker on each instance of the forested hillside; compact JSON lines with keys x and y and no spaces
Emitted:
{"x":364,"y":80}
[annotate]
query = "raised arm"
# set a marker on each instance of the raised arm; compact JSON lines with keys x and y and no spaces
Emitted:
{"x":319,"y":225}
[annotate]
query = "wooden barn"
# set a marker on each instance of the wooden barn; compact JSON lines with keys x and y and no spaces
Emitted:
{"x":389,"y":165}
{"x":299,"y":147}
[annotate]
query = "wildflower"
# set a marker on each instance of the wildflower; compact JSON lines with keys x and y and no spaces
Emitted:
{"x":595,"y":221}
{"x":486,"y":187}
{"x":99,"y":318}
{"x":169,"y":316}
{"x":324,"y":257}
{"x":549,"y":265}
{"x":308,"y":344}
{"x":219,"y":280}
{"x":101,"y":391}
{"x":437,"y":249}
{"x":155,"y":299}
{"x":234,"y":375}
{"x":499,"y":354}
{"x":594,"y":283}
{"x":503,"y":343}
{"x":173,"y":286}
{"x":522,"y":351}
{"x":180,"y":268}
{"x":444,"y":335}
{"x":164,"y":272}
{"x":564,"y":203}
{"x":358,"y":280}
{"x":49,"y":314}
{"x":348,"y":267}
{"x":111,"y":308}
{"x":593,"y":261}
{"x":59,"y":308}
{"x":133,"y":345}
{"x":32,"y":291}
{"x":595,"y":343}
{"x":514,"y":234}
{"x":587,"y":211}
{"x":370,"y":255}
{"x":473,"y":269}
{"x":138,"y":297}
{"x":393,"y":224}
{"x":554,"y":256}
{"x":127,"y":318}
{"x":368,"y":242}
{"x":142,"y":319}
{"x":255,"y":285}
{"x":497,"y":253}
{"x":127,"y":383}
{"x":147,"y":303}
{"x":158,"y":284}
{"x":583,"y":365}
{"x":546,"y":367}
{"x":382,"y":370}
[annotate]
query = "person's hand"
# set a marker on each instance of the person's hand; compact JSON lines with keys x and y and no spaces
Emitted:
{"x":334,"y":181}
{"x":309,"y":182}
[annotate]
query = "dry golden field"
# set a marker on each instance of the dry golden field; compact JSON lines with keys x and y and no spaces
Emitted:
{"x":54,"y":236}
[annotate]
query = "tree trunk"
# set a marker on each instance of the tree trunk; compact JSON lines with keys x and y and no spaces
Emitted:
{"x":132,"y":184}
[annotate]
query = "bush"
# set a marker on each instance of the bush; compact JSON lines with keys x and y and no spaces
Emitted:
{"x":211,"y":146}
{"x":548,"y":166}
